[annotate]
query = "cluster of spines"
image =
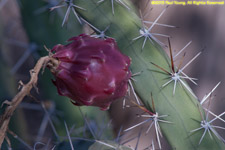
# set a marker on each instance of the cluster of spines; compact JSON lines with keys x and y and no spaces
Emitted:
{"x":96,"y":134}
{"x":175,"y":74}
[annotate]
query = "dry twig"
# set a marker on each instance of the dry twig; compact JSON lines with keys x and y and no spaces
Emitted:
{"x":25,"y":91}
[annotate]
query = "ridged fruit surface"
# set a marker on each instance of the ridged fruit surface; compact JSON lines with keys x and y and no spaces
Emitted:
{"x":91,"y":71}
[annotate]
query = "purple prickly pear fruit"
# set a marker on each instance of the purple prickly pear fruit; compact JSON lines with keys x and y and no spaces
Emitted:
{"x":91,"y":71}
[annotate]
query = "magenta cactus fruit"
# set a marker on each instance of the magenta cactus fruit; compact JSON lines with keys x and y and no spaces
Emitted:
{"x":91,"y":71}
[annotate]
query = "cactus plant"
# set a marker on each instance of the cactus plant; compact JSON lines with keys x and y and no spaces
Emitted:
{"x":170,"y":104}
{"x":182,"y":108}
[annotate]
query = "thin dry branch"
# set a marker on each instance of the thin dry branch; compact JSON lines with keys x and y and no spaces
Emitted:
{"x":25,"y":91}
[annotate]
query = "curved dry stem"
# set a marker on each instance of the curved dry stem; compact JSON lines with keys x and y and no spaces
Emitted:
{"x":25,"y":91}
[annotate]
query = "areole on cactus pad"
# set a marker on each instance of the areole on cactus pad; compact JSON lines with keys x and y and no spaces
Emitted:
{"x":91,"y":71}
